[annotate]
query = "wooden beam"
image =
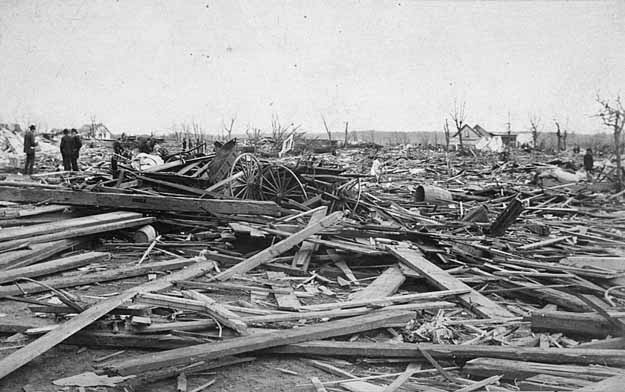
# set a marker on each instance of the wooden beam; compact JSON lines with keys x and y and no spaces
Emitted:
{"x":519,"y":369}
{"x":475,"y":301}
{"x":82,"y":231}
{"x":387,"y":283}
{"x":140,"y":202}
{"x":455,"y":351}
{"x":399,"y":381}
{"x":15,"y":233}
{"x":283,"y":292}
{"x":219,"y":312}
{"x":34,"y":349}
{"x":506,"y":218}
{"x":386,"y":300}
{"x":203,"y":352}
{"x":39,"y":210}
{"x":183,"y":304}
{"x":94,"y":277}
{"x":306,"y":250}
{"x":280,"y":247}
{"x":35,"y":253}
{"x":583,"y":324}
{"x":52,"y":266}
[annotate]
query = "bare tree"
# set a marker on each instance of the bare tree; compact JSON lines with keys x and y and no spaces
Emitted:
{"x":325,"y":125}
{"x":92,"y":130}
{"x":253,"y":135}
{"x":447,"y":135}
{"x":279,"y":132}
{"x":228,"y":128}
{"x":558,"y":134}
{"x":535,"y":128}
{"x":613,"y":115}
{"x":458,"y":115}
{"x":346,"y":133}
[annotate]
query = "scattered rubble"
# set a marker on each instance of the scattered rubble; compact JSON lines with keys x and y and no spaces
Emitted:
{"x":377,"y":270}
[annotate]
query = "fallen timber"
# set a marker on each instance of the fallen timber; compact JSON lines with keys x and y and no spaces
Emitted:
{"x":90,"y":278}
{"x":26,"y":354}
{"x":203,"y":352}
{"x":455,"y":352}
{"x":565,"y":245}
{"x":139,"y":202}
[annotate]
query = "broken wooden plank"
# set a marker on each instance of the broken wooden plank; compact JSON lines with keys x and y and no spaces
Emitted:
{"x":38,"y":210}
{"x":584,"y":324}
{"x":82,"y":231}
{"x":399,"y":381}
{"x":306,"y":250}
{"x":94,"y":277}
{"x":35,"y":253}
{"x":518,"y":369}
{"x":34,"y":349}
{"x":279,"y":248}
{"x":386,"y":300}
{"x":203,"y":352}
{"x":219,"y":312}
{"x":479,"y":384}
{"x":140,"y":202}
{"x":15,"y":233}
{"x":475,"y":301}
{"x":283,"y":292}
{"x":386,"y":284}
{"x":52,"y":266}
{"x":506,"y":218}
{"x":577,"y":356}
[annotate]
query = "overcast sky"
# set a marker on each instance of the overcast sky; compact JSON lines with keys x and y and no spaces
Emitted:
{"x":146,"y":65}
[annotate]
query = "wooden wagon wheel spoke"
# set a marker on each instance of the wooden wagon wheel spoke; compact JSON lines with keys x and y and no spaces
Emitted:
{"x":269,"y":186}
{"x":279,"y":183}
{"x":245,"y":187}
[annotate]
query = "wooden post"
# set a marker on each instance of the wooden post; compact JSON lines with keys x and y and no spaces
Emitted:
{"x":506,"y":218}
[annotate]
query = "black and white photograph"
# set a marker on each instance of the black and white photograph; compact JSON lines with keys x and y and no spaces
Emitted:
{"x":312,"y":195}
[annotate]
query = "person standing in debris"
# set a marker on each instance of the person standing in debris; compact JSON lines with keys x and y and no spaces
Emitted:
{"x":589,"y":162}
{"x":67,"y":150}
{"x":77,"y":145}
{"x":118,"y":151}
{"x":29,"y":149}
{"x":376,"y":169}
{"x":184,"y":144}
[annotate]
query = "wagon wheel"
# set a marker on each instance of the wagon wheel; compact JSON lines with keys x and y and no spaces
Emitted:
{"x":349,"y":196}
{"x":279,"y":183}
{"x":246,"y":185}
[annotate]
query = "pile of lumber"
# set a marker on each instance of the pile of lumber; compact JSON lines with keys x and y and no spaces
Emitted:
{"x":459,"y":277}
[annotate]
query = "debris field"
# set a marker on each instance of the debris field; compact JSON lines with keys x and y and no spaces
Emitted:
{"x":231,"y":271}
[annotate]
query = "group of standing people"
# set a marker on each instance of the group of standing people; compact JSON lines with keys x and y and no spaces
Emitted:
{"x":70,"y":149}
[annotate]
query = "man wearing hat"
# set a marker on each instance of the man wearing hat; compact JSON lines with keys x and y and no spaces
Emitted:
{"x":67,"y":149}
{"x":29,"y":149}
{"x":77,"y":144}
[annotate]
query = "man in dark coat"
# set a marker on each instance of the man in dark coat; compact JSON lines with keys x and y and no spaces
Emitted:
{"x":589,"y":162}
{"x":77,"y":146}
{"x":29,"y":149}
{"x":67,"y":150}
{"x":118,"y":151}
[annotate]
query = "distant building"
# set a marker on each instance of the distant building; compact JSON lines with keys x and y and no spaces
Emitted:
{"x":470,"y":135}
{"x":95,"y":131}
